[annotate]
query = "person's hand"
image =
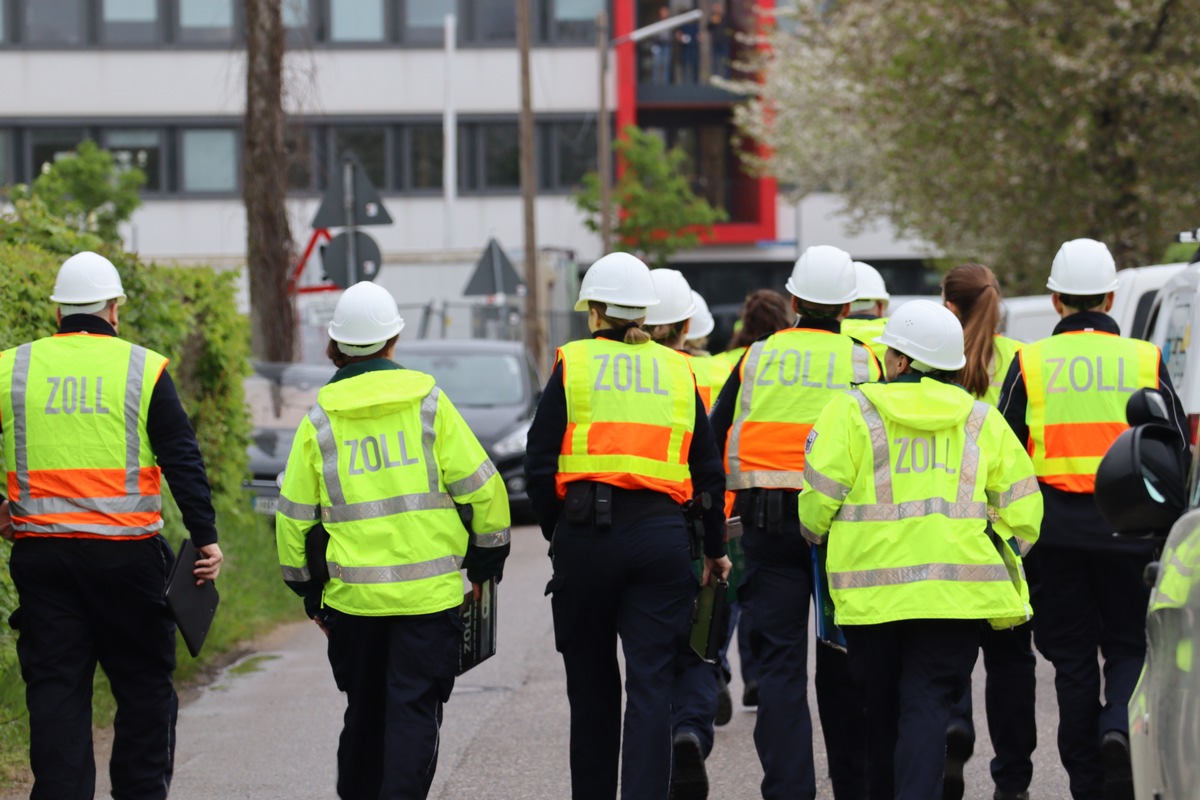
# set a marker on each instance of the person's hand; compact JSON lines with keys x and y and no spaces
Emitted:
{"x":718,"y":567}
{"x":208,"y":566}
{"x":476,"y":591}
{"x":321,"y":624}
{"x":6,"y":528}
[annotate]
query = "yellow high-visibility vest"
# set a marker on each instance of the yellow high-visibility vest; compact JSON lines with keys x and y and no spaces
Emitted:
{"x":787,"y":379}
{"x":711,"y":374}
{"x":381,"y":461}
{"x":631,"y":413}
{"x":1004,"y":350}
{"x":901,"y":481}
{"x":865,"y":331}
{"x":1078,"y":384}
{"x":73,"y":409}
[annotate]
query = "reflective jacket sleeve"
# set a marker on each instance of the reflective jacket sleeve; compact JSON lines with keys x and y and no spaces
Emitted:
{"x":1014,"y":497}
{"x":472,"y":481}
{"x":832,"y":458}
{"x":299,"y":511}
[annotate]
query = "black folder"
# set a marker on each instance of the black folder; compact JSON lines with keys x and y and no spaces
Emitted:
{"x":192,"y":606}
{"x":479,"y":627}
{"x":709,"y":619}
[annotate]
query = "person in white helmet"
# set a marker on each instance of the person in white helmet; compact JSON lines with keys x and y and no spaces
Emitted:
{"x":1065,"y":396}
{"x":763,"y":414}
{"x":900,"y":480}
{"x":376,"y":473}
{"x":619,"y":443}
{"x":867,"y":317}
{"x":700,"y":326}
{"x":91,"y":424}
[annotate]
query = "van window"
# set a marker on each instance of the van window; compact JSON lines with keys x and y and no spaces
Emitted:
{"x":1178,"y":309}
{"x":1141,"y":327}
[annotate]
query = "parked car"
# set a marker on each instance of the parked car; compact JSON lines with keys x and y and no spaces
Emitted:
{"x":494,"y":385}
{"x":1174,"y":317}
{"x":1143,"y":490}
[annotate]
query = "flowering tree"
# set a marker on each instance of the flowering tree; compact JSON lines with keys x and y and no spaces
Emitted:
{"x":995,"y":129}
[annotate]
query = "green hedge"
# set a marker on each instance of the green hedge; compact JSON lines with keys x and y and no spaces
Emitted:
{"x":189,"y":315}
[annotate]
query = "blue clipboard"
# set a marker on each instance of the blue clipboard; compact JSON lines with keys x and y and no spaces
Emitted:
{"x":828,"y":631}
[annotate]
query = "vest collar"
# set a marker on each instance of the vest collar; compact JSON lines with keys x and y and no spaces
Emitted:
{"x":362,"y":367}
{"x":819,"y":323}
{"x":1088,"y":320}
{"x":86,"y":323}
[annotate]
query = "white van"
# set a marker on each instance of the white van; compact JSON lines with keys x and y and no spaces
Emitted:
{"x":1028,"y":319}
{"x":1173,"y":318}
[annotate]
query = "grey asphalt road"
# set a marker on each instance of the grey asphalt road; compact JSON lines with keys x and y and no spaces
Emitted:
{"x":268,"y":726}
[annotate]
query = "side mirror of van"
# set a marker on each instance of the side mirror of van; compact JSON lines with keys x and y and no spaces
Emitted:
{"x":1141,"y":485}
{"x":1145,"y":407}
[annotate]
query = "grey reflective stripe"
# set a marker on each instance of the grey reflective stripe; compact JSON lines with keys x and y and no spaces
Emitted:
{"x":20,"y":428}
{"x":329,"y":456}
{"x":825,"y":485}
{"x":296,"y":573}
{"x":396,"y":574}
{"x":104,"y":505}
{"x":862,"y":363}
{"x":473,"y":482}
{"x":374,"y":509}
{"x":497,"y":539}
{"x":133,"y":401}
{"x":764,"y":479}
{"x":813,"y":536}
{"x":969,"y":469}
{"x":1018,"y":491}
{"x":99,"y":530}
{"x":895,"y":576}
{"x":1024,"y":547}
{"x":298,"y":511}
{"x":429,"y":435}
{"x":881,"y":453}
{"x":911,"y":509}
{"x":1177,"y":563}
{"x":749,"y":367}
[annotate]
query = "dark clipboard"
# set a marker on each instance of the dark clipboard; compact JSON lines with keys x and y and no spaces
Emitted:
{"x":193,"y":607}
{"x":827,"y":630}
{"x":479,"y":627}
{"x":709,"y":619}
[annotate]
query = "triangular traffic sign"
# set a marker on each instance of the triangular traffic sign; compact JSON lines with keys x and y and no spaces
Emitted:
{"x":368,"y":205}
{"x":494,"y":274}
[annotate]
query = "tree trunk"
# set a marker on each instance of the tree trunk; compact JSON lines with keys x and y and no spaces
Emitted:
{"x":269,"y":247}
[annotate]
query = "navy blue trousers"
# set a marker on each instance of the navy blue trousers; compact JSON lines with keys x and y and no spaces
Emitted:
{"x":1010,"y":697}
{"x":912,"y":672}
{"x":83,"y":602}
{"x":1084,"y":602}
{"x":397,"y":672}
{"x":694,"y":698}
{"x":632,"y":580}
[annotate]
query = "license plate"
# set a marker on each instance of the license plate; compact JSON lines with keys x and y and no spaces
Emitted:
{"x":266,"y":505}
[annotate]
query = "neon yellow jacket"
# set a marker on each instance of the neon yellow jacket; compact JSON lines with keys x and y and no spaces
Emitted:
{"x":901,"y":479}
{"x":865,"y":331}
{"x":381,"y":461}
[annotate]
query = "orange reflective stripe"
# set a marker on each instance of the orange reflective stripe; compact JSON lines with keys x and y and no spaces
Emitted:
{"x":84,"y":482}
{"x":680,"y":493}
{"x":705,"y":396}
{"x":1081,"y":439}
{"x":630,"y":438}
{"x":1071,"y":483}
{"x":773,"y":445}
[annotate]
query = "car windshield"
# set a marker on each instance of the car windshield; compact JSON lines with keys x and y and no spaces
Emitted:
{"x":472,"y":379}
{"x":279,"y":396}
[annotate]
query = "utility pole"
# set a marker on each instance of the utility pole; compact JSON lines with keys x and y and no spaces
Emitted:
{"x":603,"y":148}
{"x":533,"y":313}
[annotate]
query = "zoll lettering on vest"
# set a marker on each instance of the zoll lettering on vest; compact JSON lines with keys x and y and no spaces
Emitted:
{"x":920,"y":454}
{"x":626,"y":373}
{"x":1084,"y":373}
{"x":790,"y":367}
{"x":371,"y":454}
{"x":69,"y":395}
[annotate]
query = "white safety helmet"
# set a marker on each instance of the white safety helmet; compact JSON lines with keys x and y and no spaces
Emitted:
{"x":702,"y":321}
{"x":869,"y":282}
{"x":823,"y":274}
{"x":364,"y":319}
{"x":620,"y":281}
{"x":86,"y":282}
{"x":1083,"y":267}
{"x":928,"y":333}
{"x":675,"y":303}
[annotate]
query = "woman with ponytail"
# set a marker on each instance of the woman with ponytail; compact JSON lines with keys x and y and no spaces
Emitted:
{"x":972,"y":293}
{"x":619,"y":443}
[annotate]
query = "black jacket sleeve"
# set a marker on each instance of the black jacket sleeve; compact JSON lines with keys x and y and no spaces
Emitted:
{"x":1014,"y":399}
{"x":721,"y":415}
{"x":178,"y":454}
{"x":708,"y":476}
{"x":541,"y":452}
{"x":1179,"y":419}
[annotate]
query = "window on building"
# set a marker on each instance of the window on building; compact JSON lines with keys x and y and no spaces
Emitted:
{"x":209,"y":160}
{"x":567,"y":152}
{"x":500,"y":152}
{"x":3,"y":21}
{"x":298,"y":141}
{"x":47,"y":145}
{"x":494,"y":22}
{"x":55,"y":22}
{"x":422,"y":21}
{"x":138,"y":148}
{"x":570,"y":21}
{"x":5,"y":158}
{"x":357,"y":21}
{"x":206,"y":21}
{"x":298,"y":20}
{"x":370,"y":145}
{"x":425,"y":157}
{"x":129,"y":22}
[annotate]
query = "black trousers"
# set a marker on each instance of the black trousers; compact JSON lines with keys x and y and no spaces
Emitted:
{"x":83,"y":602}
{"x":912,"y":672}
{"x":1084,"y":602}
{"x":631,"y":580}
{"x":1010,"y":695}
{"x":396,"y":673}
